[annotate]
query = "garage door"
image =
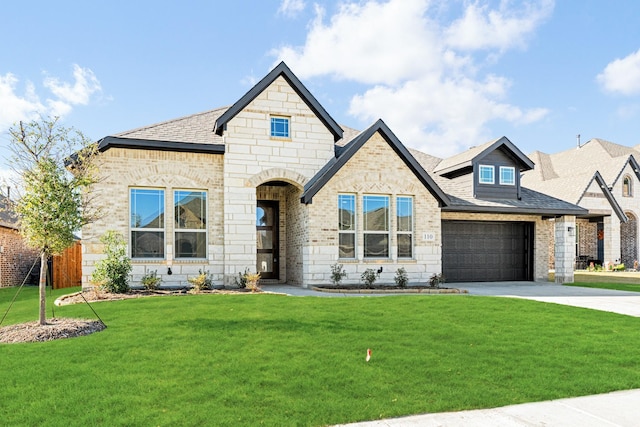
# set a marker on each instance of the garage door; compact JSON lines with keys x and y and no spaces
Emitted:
{"x":487,"y":251}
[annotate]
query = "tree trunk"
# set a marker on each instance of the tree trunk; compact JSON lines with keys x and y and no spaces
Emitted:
{"x":43,"y":288}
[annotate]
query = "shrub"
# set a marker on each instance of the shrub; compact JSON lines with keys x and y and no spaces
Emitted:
{"x":369,"y":277}
{"x":151,"y":280}
{"x":337,"y":274}
{"x":436,"y":280}
{"x":241,"y":280}
{"x":401,"y":278}
{"x":112,"y":273}
{"x":202,"y":282}
{"x":252,"y":280}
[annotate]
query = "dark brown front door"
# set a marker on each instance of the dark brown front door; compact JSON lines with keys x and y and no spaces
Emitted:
{"x":267,"y":239}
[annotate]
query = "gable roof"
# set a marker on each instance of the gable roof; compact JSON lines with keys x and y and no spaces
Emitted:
{"x":608,"y":195}
{"x":281,"y":70}
{"x":569,"y":174}
{"x":459,"y":190}
{"x":343,"y":154}
{"x":466,"y":158}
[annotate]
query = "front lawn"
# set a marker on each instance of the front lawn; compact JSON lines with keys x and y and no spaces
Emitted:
{"x":277,"y":360}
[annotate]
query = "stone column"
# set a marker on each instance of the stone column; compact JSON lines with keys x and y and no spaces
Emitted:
{"x":565,"y":248}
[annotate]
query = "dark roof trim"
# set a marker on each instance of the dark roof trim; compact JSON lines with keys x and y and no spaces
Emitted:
{"x":148,"y":144}
{"x":525,"y":162}
{"x":515,"y":210}
{"x":609,"y":196}
{"x":326,"y":173}
{"x":296,"y":84}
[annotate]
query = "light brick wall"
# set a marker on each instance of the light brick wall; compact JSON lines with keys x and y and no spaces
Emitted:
{"x":122,"y":169}
{"x":374,"y":170}
{"x":16,"y":259}
{"x":252,"y":158}
{"x":543,"y":234}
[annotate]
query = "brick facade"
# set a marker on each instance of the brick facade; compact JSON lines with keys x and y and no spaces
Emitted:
{"x":16,"y":259}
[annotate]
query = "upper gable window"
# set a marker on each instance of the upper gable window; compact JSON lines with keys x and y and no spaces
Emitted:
{"x":627,"y":188}
{"x":507,"y":175}
{"x":486,"y":175}
{"x":280,"y":127}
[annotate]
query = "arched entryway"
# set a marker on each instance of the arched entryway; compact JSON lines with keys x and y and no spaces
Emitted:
{"x":629,"y":240}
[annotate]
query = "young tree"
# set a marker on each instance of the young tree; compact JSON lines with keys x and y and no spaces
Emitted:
{"x":56,"y":165}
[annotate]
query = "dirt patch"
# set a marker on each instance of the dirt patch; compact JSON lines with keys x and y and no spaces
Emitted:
{"x":54,"y":329}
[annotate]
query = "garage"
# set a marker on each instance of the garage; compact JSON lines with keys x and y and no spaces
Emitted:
{"x":483,"y":251}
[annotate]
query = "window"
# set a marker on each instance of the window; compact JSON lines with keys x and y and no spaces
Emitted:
{"x":147,"y":223}
{"x":376,"y":226}
{"x":627,"y":189}
{"x":280,"y":127}
{"x":486,"y":175}
{"x":190,"y":223}
{"x":404,"y":215}
{"x":507,"y":175}
{"x":347,"y":225}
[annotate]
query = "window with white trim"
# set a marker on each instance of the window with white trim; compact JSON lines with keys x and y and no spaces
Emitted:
{"x":147,"y":225}
{"x":347,"y":225}
{"x":627,"y":187}
{"x":190,"y":224}
{"x":485,"y":175}
{"x":507,"y":175}
{"x":375,"y":217}
{"x":280,"y":127}
{"x":404,"y":219}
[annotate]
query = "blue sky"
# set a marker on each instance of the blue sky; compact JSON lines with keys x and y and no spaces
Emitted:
{"x":443,"y":74}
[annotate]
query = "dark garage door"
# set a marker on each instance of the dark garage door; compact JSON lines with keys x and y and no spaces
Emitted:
{"x":487,"y":251}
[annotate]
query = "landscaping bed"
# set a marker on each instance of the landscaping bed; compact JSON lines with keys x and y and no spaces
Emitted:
{"x":386,"y":289}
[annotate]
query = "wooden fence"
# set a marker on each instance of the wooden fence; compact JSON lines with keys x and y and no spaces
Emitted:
{"x":67,"y":268}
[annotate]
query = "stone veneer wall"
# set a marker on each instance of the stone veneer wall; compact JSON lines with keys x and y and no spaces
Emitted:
{"x":253,"y":157}
{"x":16,"y":259}
{"x":122,"y":169}
{"x":374,"y":170}
{"x":542,"y":230}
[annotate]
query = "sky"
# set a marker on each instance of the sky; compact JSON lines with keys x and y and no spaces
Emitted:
{"x":445,"y":75}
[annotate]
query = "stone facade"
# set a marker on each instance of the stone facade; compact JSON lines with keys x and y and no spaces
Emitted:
{"x":123,"y":169}
{"x":365,"y":175}
{"x":242,"y":168}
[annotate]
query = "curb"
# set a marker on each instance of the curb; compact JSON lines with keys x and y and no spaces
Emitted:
{"x":390,"y":291}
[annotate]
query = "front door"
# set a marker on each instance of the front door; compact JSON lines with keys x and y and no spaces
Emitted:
{"x":267,"y":239}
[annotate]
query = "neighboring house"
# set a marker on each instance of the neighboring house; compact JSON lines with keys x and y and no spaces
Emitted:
{"x":16,"y":258}
{"x":603,"y":178}
{"x":274,"y":184}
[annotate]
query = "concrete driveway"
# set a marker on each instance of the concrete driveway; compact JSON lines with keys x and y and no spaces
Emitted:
{"x":621,"y":302}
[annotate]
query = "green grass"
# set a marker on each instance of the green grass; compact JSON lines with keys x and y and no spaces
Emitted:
{"x":633,"y":287}
{"x":620,"y":281}
{"x":277,"y":360}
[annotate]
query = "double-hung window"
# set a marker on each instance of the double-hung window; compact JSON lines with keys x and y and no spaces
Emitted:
{"x":404,"y":219}
{"x":147,"y":223}
{"x":486,"y":174}
{"x":190,"y":209}
{"x":347,"y":225}
{"x":507,"y":175}
{"x":375,"y":217}
{"x":280,"y":127}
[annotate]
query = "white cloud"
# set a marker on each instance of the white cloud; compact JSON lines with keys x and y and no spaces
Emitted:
{"x":15,"y":106}
{"x":291,"y":8}
{"x":422,"y":72}
{"x":622,"y":76}
{"x":483,"y":28}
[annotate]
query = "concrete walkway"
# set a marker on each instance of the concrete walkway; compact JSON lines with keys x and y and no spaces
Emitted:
{"x":621,"y":408}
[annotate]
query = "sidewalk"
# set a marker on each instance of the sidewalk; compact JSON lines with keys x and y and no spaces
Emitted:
{"x":619,"y":408}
